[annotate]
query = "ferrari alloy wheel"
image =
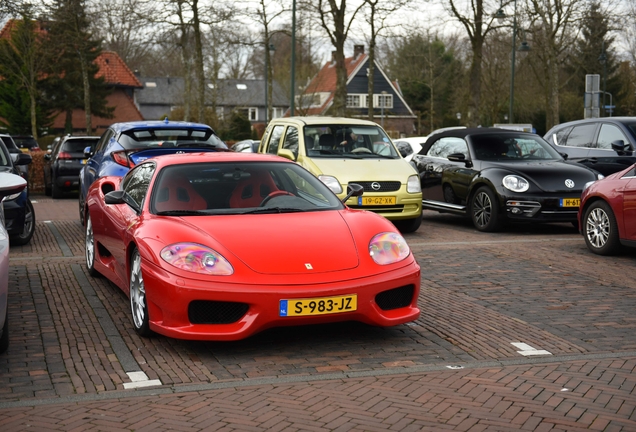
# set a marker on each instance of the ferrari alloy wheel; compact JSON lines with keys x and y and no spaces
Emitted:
{"x":89,"y":243}
{"x":484,"y":210}
{"x":600,"y":229}
{"x":29,"y":226}
{"x":138,"y":305}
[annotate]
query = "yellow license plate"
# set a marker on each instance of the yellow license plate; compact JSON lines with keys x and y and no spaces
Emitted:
{"x":318,"y":306}
{"x":369,"y":201}
{"x":570,"y":202}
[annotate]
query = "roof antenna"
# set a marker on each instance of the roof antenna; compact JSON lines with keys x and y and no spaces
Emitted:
{"x":165,"y":120}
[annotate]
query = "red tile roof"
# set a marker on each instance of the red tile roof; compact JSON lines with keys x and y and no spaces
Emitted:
{"x":115,"y":71}
{"x":325,"y":80}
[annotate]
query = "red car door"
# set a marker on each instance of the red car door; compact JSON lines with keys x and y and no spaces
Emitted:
{"x":629,"y":208}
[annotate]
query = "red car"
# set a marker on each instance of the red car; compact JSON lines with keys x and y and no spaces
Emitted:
{"x":219,"y":246}
{"x":607,"y":215}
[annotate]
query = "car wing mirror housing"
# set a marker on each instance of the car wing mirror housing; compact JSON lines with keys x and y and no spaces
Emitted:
{"x":88,"y":152}
{"x":120,"y":197}
{"x":459,"y":157}
{"x":353,"y":189}
{"x":22,"y":159}
{"x":620,"y":147}
{"x":287,"y":154}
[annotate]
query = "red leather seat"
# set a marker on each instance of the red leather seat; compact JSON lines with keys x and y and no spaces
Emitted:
{"x":251,"y":191}
{"x":177,"y":193}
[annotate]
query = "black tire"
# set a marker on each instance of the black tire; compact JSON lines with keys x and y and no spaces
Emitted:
{"x":137,"y":293}
{"x":82,"y":215}
{"x":408,"y":225}
{"x":600,"y":230}
{"x":4,"y":339}
{"x":484,"y":210}
{"x":29,"y":227}
{"x":89,"y":248}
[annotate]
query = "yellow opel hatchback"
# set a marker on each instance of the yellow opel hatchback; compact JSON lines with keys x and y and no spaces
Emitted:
{"x":340,"y":151}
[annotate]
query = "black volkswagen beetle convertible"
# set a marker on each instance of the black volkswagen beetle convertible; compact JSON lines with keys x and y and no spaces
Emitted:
{"x":495,"y":176}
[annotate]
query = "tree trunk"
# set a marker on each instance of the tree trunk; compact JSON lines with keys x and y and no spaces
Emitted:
{"x":87,"y":95}
{"x":371,"y":73}
{"x":199,"y":61}
{"x":33,"y":110}
{"x":474,"y":114}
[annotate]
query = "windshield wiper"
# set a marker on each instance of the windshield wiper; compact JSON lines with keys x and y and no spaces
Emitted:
{"x":183,"y":213}
{"x":274,"y":210}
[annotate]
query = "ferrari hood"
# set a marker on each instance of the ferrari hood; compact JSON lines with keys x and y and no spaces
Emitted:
{"x":348,"y":170}
{"x":287,"y":243}
{"x":553,"y":176}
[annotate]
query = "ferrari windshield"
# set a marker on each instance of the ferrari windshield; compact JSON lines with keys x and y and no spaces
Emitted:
{"x":511,"y":147}
{"x":239,"y":187}
{"x":173,"y":137}
{"x":352,"y":141}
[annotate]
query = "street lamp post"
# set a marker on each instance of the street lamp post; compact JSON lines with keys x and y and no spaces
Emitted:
{"x":269,"y":48}
{"x":524,"y":47}
{"x":603,"y":60}
{"x":382,"y":97}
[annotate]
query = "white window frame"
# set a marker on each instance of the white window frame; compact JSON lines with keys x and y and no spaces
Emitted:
{"x":357,"y":100}
{"x":252,"y":114}
{"x":277,"y":112}
{"x":388,"y":99}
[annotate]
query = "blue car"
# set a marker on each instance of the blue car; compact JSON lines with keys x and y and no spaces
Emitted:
{"x":124,"y":145}
{"x":19,"y":216}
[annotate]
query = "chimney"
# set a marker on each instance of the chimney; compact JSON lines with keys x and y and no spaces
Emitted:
{"x":358,"y":50}
{"x":333,"y":57}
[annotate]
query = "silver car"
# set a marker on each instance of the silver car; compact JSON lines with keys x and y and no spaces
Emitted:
{"x":10,"y":184}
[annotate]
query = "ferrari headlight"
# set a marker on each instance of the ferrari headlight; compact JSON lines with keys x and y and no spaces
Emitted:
{"x":196,"y":258}
{"x":515,"y":183}
{"x":388,"y":248}
{"x":332,"y":183}
{"x":12,"y":197}
{"x":413,"y":184}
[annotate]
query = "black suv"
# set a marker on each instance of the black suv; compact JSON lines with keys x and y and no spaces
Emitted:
{"x":604,"y":144}
{"x":63,"y":165}
{"x":26,"y":142}
{"x":19,"y":216}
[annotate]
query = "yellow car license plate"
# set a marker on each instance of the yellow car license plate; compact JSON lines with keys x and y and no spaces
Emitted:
{"x":570,"y":202}
{"x":318,"y":306}
{"x":369,"y":201}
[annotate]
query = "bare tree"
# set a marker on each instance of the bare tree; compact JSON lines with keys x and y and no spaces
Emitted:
{"x":336,"y":21}
{"x":477,"y":20}
{"x":553,"y":25}
{"x":378,"y":13}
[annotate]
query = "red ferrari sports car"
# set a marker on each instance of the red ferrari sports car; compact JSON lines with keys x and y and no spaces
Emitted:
{"x":219,"y":246}
{"x":607,"y":215}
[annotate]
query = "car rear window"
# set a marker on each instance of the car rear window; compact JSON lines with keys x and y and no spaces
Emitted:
{"x":78,"y":145}
{"x":173,"y":137}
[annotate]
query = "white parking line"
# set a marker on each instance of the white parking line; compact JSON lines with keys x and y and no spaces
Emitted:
{"x":527,"y":350}
{"x":140,"y":379}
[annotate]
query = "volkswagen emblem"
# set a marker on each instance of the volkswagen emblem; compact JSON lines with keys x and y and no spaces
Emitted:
{"x":569,"y":183}
{"x":375,"y":186}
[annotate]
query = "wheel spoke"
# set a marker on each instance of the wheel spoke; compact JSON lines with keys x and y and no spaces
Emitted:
{"x":597,"y":228}
{"x":90,"y":245}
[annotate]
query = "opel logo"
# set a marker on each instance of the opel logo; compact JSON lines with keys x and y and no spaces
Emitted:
{"x":569,"y":183}
{"x":375,"y":186}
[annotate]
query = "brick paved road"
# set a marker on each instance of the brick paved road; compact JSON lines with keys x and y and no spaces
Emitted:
{"x":456,"y":368}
